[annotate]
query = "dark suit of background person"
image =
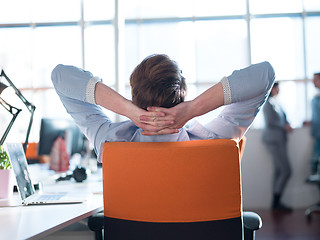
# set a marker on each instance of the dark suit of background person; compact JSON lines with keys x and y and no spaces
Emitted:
{"x":275,"y":138}
{"x":315,"y":127}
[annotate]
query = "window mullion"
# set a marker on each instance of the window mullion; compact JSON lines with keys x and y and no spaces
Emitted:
{"x":82,"y":25}
{"x":248,"y":20}
{"x":119,"y":24}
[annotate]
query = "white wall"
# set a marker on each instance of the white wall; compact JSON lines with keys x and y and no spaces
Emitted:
{"x":257,"y":170}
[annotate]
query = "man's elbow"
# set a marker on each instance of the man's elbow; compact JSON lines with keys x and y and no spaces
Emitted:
{"x":55,"y":74}
{"x":269,"y":75}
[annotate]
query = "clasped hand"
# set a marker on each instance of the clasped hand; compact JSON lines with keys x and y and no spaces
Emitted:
{"x":159,"y":121}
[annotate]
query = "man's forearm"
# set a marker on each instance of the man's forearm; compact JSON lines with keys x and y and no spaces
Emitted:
{"x":211,"y":99}
{"x":110,"y":99}
{"x":113,"y":101}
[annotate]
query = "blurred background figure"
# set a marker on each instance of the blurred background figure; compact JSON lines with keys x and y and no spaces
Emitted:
{"x":275,"y":138}
{"x":315,"y":128}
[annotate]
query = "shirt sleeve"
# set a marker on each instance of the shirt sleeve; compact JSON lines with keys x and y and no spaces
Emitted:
{"x":75,"y":88}
{"x":245,"y":91}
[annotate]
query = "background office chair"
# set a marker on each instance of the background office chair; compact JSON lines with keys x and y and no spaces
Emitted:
{"x":315,"y":208}
{"x":175,"y":190}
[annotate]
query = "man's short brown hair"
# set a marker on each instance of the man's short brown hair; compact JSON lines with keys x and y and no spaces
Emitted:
{"x":157,"y":81}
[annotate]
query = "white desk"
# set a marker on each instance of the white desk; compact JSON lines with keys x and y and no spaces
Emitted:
{"x":35,"y":222}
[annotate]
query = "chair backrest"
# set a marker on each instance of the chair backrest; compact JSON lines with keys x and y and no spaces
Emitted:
{"x":172,"y":190}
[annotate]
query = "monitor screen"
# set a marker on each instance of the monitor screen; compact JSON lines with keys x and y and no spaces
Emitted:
{"x":51,"y":129}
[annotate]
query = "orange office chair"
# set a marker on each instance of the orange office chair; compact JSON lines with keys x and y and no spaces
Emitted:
{"x":173,"y":190}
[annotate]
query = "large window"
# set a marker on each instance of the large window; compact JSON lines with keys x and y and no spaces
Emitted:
{"x":208,"y":39}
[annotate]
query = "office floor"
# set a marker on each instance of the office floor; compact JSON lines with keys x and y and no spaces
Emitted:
{"x":288,"y":226}
{"x":276,"y":226}
{"x":76,"y":231}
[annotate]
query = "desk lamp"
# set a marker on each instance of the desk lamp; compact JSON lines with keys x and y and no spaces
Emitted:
{"x":15,"y":111}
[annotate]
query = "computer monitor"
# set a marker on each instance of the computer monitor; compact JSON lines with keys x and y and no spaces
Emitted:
{"x":51,"y":129}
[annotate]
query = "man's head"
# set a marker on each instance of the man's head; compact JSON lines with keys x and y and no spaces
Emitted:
{"x":157,"y":81}
{"x":316,"y":80}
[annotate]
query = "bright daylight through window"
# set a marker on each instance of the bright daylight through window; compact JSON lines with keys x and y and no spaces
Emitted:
{"x":208,"y":38}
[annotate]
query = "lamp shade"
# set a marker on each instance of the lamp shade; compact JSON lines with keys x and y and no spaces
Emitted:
{"x":2,"y":87}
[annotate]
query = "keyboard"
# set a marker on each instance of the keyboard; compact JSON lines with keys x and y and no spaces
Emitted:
{"x":45,"y":198}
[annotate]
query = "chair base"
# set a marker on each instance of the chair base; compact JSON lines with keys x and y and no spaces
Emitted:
{"x":313,"y":209}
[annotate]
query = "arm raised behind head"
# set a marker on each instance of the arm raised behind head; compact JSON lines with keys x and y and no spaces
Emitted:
{"x":253,"y":82}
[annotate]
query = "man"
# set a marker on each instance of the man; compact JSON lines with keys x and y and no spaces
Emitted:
{"x":315,"y":126}
{"x":157,"y":82}
{"x":275,"y":138}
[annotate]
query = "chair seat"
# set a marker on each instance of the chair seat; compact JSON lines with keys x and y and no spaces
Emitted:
{"x":136,"y":230}
{"x":251,"y":220}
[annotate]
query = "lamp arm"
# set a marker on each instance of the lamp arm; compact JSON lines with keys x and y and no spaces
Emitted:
{"x":25,"y":145}
{"x":29,"y":105}
{"x":10,"y":109}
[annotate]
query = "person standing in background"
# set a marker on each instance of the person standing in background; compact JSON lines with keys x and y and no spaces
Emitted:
{"x":315,"y":128}
{"x":275,"y":138}
{"x":315,"y":125}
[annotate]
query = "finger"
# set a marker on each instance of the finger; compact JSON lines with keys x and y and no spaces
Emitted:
{"x":163,"y":124}
{"x":156,"y":114}
{"x":150,"y":115}
{"x":161,"y":132}
{"x":149,"y":127}
{"x":155,"y":127}
{"x":148,"y":118}
{"x":155,"y":118}
{"x":168,"y":131}
{"x":156,"y":109}
{"x":158,"y":124}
